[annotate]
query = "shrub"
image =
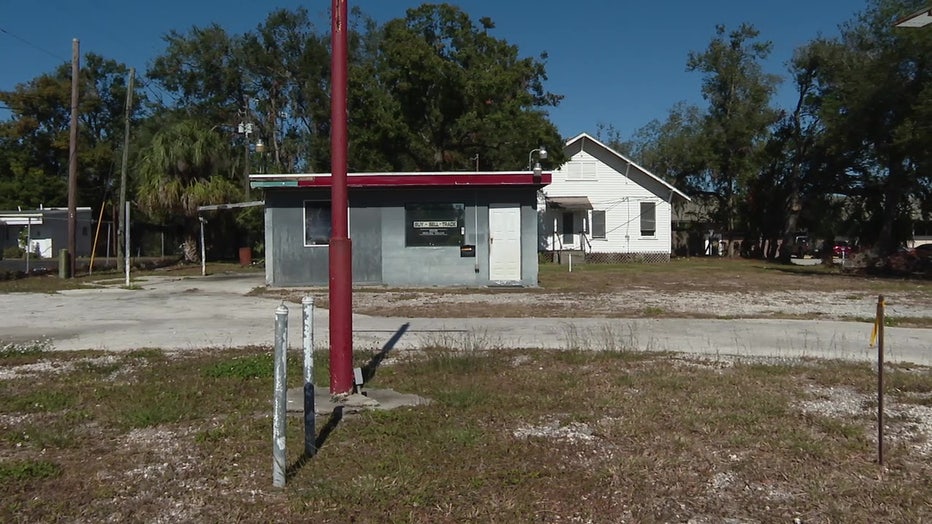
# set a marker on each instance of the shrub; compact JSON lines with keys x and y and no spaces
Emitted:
{"x":13,"y":252}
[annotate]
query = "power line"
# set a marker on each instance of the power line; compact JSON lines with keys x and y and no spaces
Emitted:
{"x":32,"y":45}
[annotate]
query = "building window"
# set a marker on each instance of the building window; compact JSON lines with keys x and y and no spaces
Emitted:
{"x":316,"y":223}
{"x":84,"y":231}
{"x":434,"y":224}
{"x":648,"y":219}
{"x":598,"y":223}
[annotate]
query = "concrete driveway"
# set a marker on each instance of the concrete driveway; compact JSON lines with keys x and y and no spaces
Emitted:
{"x":216,"y":311}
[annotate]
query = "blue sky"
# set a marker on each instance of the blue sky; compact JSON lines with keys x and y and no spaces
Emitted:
{"x":620,"y":63}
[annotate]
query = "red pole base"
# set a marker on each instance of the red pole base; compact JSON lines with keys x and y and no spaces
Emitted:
{"x":341,"y":316}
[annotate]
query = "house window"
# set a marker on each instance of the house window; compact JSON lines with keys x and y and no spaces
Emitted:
{"x":648,"y":219}
{"x":434,"y":224}
{"x":316,"y":223}
{"x":598,"y":223}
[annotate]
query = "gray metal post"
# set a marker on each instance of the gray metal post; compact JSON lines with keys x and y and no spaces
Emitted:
{"x":310,"y":432}
{"x":203,"y":248}
{"x":126,"y":249}
{"x":28,"y":241}
{"x":280,"y":400}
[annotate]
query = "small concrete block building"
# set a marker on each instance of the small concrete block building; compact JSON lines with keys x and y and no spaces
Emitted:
{"x":47,"y":230}
{"x":407,"y":229}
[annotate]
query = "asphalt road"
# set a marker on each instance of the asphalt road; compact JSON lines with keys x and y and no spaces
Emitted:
{"x":215,"y":311}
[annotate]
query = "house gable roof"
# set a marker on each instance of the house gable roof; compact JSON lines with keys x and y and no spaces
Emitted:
{"x":585,"y":142}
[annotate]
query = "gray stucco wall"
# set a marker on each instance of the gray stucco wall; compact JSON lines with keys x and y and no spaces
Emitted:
{"x":377,"y":230}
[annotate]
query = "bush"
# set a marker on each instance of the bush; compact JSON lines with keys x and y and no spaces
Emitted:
{"x":13,"y":252}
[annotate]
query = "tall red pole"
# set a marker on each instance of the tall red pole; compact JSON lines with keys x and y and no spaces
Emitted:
{"x":341,"y":249}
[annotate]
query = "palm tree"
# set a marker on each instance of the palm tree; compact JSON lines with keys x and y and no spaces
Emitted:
{"x":182,"y":168}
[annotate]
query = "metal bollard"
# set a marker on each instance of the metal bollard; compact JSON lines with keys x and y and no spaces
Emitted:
{"x":280,"y":399}
{"x":310,"y":444}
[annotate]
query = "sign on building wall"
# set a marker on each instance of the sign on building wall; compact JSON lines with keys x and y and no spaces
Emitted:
{"x":434,"y":224}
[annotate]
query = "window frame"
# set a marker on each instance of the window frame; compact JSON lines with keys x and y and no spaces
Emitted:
{"x":644,"y":220}
{"x":320,"y":204}
{"x":594,"y":225}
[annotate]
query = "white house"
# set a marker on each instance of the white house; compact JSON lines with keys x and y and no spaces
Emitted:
{"x":602,"y":205}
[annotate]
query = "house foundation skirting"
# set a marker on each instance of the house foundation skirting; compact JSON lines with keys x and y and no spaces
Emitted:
{"x":625,"y":258}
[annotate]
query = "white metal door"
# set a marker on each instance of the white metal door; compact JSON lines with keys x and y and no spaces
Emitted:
{"x":504,"y":242}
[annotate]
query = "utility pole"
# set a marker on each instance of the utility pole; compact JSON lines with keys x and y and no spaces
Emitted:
{"x":127,"y":111}
{"x":73,"y":159}
{"x":341,"y":250}
{"x":245,"y":127}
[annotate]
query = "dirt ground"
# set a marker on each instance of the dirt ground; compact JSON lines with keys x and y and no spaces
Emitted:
{"x":719,"y":289}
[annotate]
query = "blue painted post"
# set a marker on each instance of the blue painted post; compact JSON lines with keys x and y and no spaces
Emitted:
{"x":280,"y":400}
{"x":310,"y":432}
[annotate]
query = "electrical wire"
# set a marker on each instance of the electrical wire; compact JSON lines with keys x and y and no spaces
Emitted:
{"x":34,"y":46}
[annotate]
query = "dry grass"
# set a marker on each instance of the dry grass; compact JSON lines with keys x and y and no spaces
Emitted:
{"x":52,"y":284}
{"x":511,"y":436}
{"x":685,"y":288}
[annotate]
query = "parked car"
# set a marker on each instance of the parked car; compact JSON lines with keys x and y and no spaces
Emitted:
{"x":842,"y":249}
{"x":923,"y":252}
{"x":800,"y":247}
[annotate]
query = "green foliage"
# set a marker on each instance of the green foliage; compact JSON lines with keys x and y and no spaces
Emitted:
{"x":26,"y":470}
{"x":739,"y":113}
{"x":850,"y":159}
{"x":13,"y":252}
{"x":34,"y":143}
{"x":244,"y":368}
{"x":436,"y":90}
{"x":181,"y":169}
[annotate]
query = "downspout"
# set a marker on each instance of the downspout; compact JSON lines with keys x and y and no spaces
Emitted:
{"x":475,"y":216}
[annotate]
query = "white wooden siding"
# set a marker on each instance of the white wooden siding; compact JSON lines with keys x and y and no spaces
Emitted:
{"x":620,"y":198}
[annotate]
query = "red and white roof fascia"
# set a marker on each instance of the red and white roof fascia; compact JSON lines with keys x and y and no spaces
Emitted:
{"x":427,"y":179}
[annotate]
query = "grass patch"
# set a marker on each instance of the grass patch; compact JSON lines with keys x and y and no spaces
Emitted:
{"x":24,"y":471}
{"x":510,"y":436}
{"x":244,"y":368}
{"x":39,"y":401}
{"x":24,"y":349}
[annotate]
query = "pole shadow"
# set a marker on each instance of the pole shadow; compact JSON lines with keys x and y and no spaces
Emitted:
{"x":335,"y":417}
{"x":368,"y":371}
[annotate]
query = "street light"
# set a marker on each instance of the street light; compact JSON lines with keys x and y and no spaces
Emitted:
{"x":541,"y":155}
{"x":260,"y":150}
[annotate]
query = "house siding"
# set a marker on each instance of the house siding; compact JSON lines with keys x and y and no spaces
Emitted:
{"x":613,"y":185}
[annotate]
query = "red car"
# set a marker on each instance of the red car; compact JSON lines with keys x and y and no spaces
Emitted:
{"x":923,"y":252}
{"x":841,"y":249}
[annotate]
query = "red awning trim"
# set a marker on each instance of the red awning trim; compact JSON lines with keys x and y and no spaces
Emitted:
{"x":431,"y":180}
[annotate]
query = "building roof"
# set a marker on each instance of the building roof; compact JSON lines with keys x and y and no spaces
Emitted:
{"x":585,"y":137}
{"x":426,"y":179}
{"x":23,"y":217}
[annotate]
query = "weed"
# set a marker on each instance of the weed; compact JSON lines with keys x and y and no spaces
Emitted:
{"x":445,"y":361}
{"x":98,"y":368}
{"x":39,"y":401}
{"x":653,"y":311}
{"x":21,"y":349}
{"x":244,"y":368}
{"x":21,"y":471}
{"x":463,"y":398}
